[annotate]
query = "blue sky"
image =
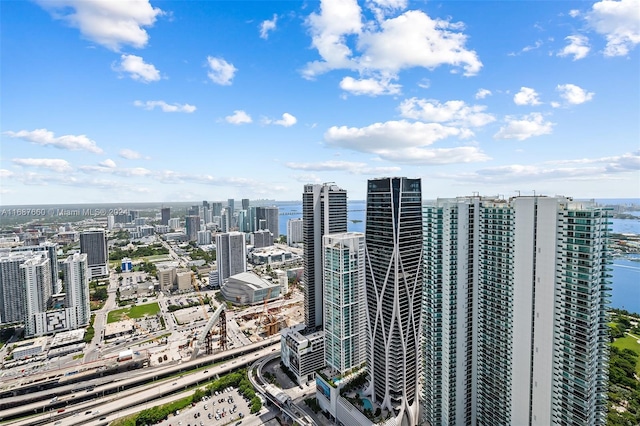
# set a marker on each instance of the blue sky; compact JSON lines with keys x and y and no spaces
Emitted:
{"x":118,"y":101}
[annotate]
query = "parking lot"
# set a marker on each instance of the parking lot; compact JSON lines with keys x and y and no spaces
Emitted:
{"x":228,"y":407}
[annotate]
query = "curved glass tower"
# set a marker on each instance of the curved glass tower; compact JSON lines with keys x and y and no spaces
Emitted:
{"x":394,"y":278}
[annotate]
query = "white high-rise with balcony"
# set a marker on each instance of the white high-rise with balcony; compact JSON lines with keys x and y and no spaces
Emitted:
{"x":514,"y":312}
{"x":345,"y":320}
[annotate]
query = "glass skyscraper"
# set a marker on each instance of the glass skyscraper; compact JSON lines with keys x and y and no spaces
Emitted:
{"x":394,"y":279}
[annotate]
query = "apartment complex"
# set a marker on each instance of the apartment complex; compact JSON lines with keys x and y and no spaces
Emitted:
{"x":514,"y":312}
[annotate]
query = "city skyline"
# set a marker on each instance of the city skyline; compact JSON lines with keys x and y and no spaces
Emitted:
{"x":337,"y":91}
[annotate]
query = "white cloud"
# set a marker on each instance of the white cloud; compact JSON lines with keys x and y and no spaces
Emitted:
{"x":220,"y":71}
{"x":526,"y":96}
{"x":578,"y":47}
{"x":574,"y":13}
{"x":405,"y":142}
{"x":44,"y":137}
{"x":436,"y":156}
{"x":529,"y":126}
{"x":165,"y":107}
{"x":132,"y":172}
{"x":138,"y":69}
{"x":369,"y":86}
{"x":383,"y":137}
{"x":583,"y":170}
{"x":451,"y":112}
{"x":483,"y":93}
{"x":535,"y":46}
{"x":619,"y":22}
{"x":268,"y":25}
{"x":238,"y":117}
{"x":4,"y":173}
{"x":386,"y":46}
{"x":573,"y":94}
{"x":54,"y":164}
{"x":109,"y":23}
{"x":413,"y":39}
{"x":129,"y":154}
{"x":108,"y":163}
{"x":287,"y":120}
{"x":345,"y":166}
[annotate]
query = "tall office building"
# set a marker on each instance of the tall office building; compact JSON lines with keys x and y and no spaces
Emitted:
{"x":216,"y":208}
{"x":36,"y":279}
{"x":324,"y":211}
{"x":76,"y":287}
{"x":345,"y":316}
{"x":245,"y":204}
{"x":94,"y":244}
{"x":294,"y":231}
{"x":267,"y":218}
{"x":394,"y":290}
{"x":165,"y":215}
{"x":231,"y":254}
{"x":515,"y":302}
{"x":192,"y":225}
{"x":251,"y":219}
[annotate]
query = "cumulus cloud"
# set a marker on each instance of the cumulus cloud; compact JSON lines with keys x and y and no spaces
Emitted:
{"x":405,"y":142}
{"x":109,"y":23}
{"x":287,"y":120}
{"x":578,"y":47}
{"x":220,"y":71}
{"x":618,"y":22}
{"x":129,"y":154}
{"x":108,"y":163}
{"x":451,"y":112}
{"x":124,"y":172}
{"x":238,"y":117}
{"x":137,"y":69}
{"x":573,"y":94}
{"x":369,"y":86}
{"x":574,"y":13}
{"x":54,"y":164}
{"x":165,"y":107}
{"x":45,"y":137}
{"x":528,"y":126}
{"x":386,"y":46}
{"x":526,"y":96}
{"x":268,"y":25}
{"x":351,"y":167}
{"x":4,"y":173}
{"x":483,"y":93}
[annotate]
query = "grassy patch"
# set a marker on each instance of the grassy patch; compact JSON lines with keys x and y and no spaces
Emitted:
{"x":629,"y":342}
{"x":78,"y":356}
{"x":137,"y":311}
{"x":156,"y":258}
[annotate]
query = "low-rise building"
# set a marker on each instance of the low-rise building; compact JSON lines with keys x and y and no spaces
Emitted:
{"x":247,"y":288}
{"x":302,"y":354}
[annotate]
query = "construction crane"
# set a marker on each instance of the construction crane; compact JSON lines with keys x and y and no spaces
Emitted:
{"x":194,"y":283}
{"x":264,"y":310}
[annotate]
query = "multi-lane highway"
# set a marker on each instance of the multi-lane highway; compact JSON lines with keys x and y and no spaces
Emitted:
{"x":152,"y":384}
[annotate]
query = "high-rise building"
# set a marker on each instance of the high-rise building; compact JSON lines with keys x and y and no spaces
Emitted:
{"x":51,"y":252}
{"x":345,"y":316}
{"x":12,"y":296}
{"x":294,"y":231}
{"x":515,"y":303}
{"x":394,"y":279}
{"x":216,"y":208}
{"x":76,"y":287}
{"x":165,"y":215}
{"x":324,"y":211}
{"x":260,"y":239}
{"x":192,"y":225}
{"x":36,"y":278}
{"x":251,"y":218}
{"x":267,"y":218}
{"x":245,"y":204}
{"x":204,"y":237}
{"x":94,"y":244}
{"x":231,"y":254}
{"x":174,"y":223}
{"x":231,"y":210}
